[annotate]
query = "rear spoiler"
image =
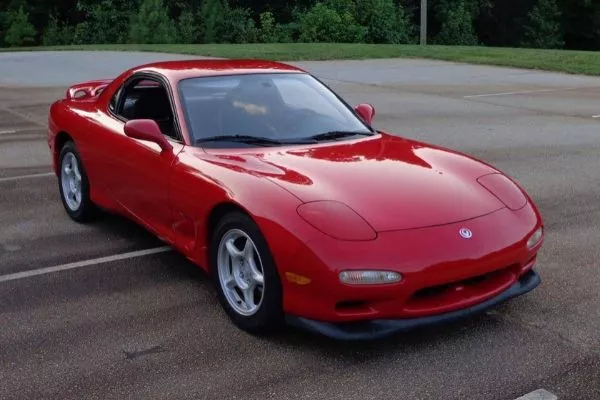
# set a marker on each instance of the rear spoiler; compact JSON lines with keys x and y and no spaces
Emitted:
{"x":87,"y":90}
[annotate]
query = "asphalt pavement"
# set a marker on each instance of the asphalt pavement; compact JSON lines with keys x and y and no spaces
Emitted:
{"x":114,"y":321}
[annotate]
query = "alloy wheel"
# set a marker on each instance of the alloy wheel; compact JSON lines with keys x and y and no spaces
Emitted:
{"x":240,"y":272}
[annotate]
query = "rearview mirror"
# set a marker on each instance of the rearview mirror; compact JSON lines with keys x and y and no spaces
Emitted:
{"x":366,"y":112}
{"x":148,"y":130}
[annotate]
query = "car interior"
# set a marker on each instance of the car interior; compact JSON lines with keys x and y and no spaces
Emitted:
{"x":250,"y":108}
{"x":253,"y":107}
{"x":148,"y":99}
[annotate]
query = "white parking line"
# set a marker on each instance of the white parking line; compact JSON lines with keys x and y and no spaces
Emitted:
{"x":521,"y":92}
{"x":85,"y":263}
{"x":540,"y":394}
{"x":16,"y":178}
{"x":7,"y":132}
{"x":595,"y":116}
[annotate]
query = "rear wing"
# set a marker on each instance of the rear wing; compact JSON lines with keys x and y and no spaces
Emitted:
{"x":87,"y":90}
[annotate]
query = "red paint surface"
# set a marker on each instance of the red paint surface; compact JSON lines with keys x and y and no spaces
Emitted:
{"x":386,"y":203}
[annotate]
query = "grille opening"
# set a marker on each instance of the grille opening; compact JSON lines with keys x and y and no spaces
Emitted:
{"x":352,"y":306}
{"x":474,"y":281}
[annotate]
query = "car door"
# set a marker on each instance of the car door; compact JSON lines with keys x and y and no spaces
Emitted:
{"x":137,"y":172}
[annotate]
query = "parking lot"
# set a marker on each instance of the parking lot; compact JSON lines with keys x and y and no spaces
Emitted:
{"x":104,"y":311}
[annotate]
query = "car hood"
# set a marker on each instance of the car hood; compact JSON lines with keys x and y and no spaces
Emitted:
{"x":393,"y":183}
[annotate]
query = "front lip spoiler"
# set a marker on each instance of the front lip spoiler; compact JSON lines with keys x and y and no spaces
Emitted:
{"x":377,"y":329}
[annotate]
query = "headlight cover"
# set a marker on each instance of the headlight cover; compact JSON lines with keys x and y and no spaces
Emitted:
{"x":369,"y":277}
{"x":504,"y":189}
{"x":535,"y":238}
{"x":337,"y":220}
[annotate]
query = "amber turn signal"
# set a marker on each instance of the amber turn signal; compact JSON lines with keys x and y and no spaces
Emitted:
{"x":297,"y":279}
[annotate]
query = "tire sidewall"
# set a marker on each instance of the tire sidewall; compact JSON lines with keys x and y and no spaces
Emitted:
{"x":269,"y":315}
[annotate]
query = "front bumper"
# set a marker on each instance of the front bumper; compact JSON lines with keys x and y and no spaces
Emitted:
{"x":376,"y":329}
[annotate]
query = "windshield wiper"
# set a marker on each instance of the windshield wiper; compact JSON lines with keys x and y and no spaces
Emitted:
{"x":337,"y":135}
{"x":250,"y":140}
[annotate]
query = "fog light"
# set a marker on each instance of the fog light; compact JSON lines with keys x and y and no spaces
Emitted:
{"x":535,"y":238}
{"x":369,"y":277}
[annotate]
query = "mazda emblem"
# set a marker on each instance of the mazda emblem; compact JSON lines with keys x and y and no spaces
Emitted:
{"x":466,"y":233}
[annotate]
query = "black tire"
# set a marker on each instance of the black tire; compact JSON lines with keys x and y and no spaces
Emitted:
{"x":86,"y":210}
{"x":269,"y":316}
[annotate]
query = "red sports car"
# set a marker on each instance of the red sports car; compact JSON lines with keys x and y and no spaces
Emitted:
{"x":296,"y":206}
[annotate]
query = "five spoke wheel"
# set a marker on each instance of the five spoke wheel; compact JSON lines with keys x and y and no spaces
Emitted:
{"x":240,"y":272}
{"x":74,"y":185}
{"x":71,"y":181}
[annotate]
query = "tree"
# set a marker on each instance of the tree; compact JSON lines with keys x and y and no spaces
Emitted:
{"x":385,"y":21}
{"x":324,"y":24}
{"x":457,"y":26}
{"x":105,"y":21}
{"x":502,"y":23}
{"x":267,"y":27}
{"x":581,"y":24}
{"x":237,"y":27}
{"x":341,"y":6}
{"x":189,"y":30}
{"x":544,"y":29}
{"x":57,"y":33}
{"x":20,"y":31}
{"x":213,"y":18}
{"x":152,"y":24}
{"x":573,"y":24}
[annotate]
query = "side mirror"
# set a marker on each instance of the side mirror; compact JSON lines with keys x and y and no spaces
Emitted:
{"x":148,"y":130}
{"x":366,"y":112}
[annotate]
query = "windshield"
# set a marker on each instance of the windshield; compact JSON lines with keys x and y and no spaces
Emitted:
{"x":280,"y":107}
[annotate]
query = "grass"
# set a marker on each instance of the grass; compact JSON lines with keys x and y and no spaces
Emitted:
{"x":574,"y":62}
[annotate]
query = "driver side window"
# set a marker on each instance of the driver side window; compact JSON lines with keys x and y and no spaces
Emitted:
{"x":147,"y":98}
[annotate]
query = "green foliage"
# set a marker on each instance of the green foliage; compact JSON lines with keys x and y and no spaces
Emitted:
{"x":58,"y":33}
{"x":573,"y":24}
{"x":252,"y":31}
{"x":287,"y":33}
{"x":385,"y":21}
{"x":152,"y":24}
{"x":544,"y":29}
{"x":83,"y":34}
{"x":341,"y":6}
{"x":581,"y":24}
{"x":324,"y":24}
{"x":107,"y":21}
{"x":269,"y":31}
{"x":20,"y":31}
{"x":457,"y":27}
{"x":189,"y":28}
{"x":238,"y":27}
{"x":213,"y":18}
{"x":267,"y":27}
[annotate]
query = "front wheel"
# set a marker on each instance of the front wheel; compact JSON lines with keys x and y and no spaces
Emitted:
{"x":73,"y":185}
{"x":245,"y":275}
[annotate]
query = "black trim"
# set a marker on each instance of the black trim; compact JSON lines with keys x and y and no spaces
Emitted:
{"x":348,"y":106}
{"x":376,"y":329}
{"x":156,"y":77}
{"x":116,"y":96}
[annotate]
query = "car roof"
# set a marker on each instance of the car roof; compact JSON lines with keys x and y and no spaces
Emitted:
{"x":184,"y":69}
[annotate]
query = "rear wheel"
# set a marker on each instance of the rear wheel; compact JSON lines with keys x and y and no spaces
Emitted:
{"x":74,"y":185}
{"x":245,"y":275}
